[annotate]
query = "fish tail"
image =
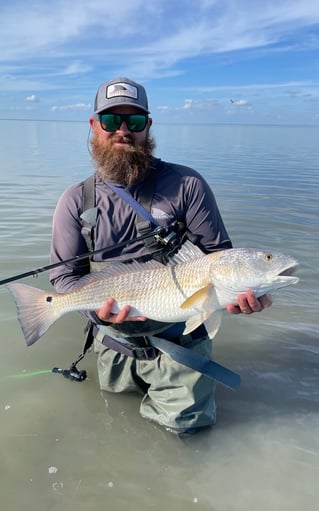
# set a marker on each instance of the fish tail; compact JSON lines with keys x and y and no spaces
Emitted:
{"x":36,"y":310}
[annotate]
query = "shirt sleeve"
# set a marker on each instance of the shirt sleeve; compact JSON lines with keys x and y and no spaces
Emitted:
{"x":67,"y":241}
{"x":203,"y":218}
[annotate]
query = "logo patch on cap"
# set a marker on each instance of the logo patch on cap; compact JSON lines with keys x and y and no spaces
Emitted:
{"x":121,"y":89}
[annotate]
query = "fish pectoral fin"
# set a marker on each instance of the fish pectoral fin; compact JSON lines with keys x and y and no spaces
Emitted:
{"x":196,"y":321}
{"x":206,"y":300}
{"x":211,"y":320}
{"x":197,"y":299}
{"x":212,"y":323}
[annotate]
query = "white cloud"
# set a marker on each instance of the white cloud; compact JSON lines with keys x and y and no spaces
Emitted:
{"x":76,"y":106}
{"x":48,"y":27}
{"x":188,"y":104}
{"x":205,"y":104}
{"x":65,"y":49}
{"x":240,"y":102}
{"x":169,"y":34}
{"x":33,"y":98}
{"x":304,"y":84}
{"x":76,"y":68}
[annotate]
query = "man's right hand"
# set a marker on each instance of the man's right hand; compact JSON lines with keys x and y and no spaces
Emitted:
{"x":105,"y":313}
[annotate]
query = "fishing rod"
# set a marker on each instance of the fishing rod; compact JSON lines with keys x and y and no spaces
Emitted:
{"x":163,"y":235}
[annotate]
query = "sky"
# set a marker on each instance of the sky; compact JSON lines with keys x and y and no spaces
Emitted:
{"x":205,"y":61}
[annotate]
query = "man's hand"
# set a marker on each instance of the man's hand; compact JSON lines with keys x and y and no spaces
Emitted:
{"x":105,"y":313}
{"x":248,"y":303}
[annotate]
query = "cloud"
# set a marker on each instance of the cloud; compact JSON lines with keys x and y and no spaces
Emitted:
{"x":113,"y":29}
{"x":65,"y":51}
{"x":76,"y":68}
{"x":256,"y":86}
{"x":206,"y":104}
{"x":76,"y":106}
{"x":188,"y":104}
{"x":239,"y":102}
{"x":33,"y":98}
{"x":47,"y":28}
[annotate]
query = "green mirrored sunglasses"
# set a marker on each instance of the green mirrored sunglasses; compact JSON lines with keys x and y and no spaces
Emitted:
{"x":134,"y":122}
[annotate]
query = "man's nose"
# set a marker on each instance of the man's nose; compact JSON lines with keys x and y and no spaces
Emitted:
{"x":123,"y":128}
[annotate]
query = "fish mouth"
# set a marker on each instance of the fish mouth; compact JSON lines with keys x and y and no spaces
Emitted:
{"x":288,"y":271}
{"x":286,"y":276}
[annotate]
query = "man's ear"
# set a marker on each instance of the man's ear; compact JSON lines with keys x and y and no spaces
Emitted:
{"x":92,"y":122}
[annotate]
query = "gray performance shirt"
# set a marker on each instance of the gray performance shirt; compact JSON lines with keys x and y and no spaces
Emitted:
{"x":180,"y":194}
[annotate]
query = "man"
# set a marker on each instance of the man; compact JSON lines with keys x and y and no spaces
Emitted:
{"x":174,"y":396}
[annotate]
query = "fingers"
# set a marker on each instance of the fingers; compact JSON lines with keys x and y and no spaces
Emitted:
{"x":105,"y":313}
{"x":248,"y":303}
{"x":233,"y":309}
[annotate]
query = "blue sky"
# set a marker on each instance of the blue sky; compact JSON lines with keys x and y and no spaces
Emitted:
{"x":233,"y":61}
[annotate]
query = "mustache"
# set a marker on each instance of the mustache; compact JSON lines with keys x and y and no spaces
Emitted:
{"x":127,"y":139}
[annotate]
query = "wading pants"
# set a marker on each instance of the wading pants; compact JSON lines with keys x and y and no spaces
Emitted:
{"x":174,"y":395}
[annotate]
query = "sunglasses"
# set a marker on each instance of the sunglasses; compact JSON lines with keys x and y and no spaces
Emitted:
{"x":134,"y":122}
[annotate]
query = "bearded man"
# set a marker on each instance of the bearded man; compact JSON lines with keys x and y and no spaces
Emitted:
{"x":175,"y":396}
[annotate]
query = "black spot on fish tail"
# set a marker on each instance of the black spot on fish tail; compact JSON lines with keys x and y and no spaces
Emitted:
{"x":36,"y":310}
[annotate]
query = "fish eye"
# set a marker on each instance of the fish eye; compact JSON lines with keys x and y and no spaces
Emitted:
{"x":268,"y":257}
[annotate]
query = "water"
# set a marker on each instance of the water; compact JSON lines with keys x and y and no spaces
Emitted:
{"x":63,"y":446}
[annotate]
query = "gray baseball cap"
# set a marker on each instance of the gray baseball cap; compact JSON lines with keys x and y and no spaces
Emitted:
{"x":120,"y":91}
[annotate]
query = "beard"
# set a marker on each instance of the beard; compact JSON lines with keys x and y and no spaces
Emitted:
{"x":126,"y":164}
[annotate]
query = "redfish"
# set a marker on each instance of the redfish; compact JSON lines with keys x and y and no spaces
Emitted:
{"x":194,"y":288}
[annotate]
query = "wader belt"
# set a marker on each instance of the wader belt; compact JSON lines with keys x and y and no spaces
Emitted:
{"x":148,"y":348}
{"x":135,"y":347}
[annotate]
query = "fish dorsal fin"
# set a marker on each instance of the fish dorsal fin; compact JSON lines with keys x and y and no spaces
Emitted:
{"x":197,"y":299}
{"x":187,"y":252}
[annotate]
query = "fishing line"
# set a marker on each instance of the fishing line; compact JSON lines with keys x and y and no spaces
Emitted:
{"x":72,"y":373}
{"x":28,"y":374}
{"x":88,"y":142}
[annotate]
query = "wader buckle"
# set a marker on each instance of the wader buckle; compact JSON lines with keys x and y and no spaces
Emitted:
{"x":147,"y":353}
{"x":135,"y":347}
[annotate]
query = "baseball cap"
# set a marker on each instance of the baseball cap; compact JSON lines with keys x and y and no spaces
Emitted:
{"x":120,"y":91}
